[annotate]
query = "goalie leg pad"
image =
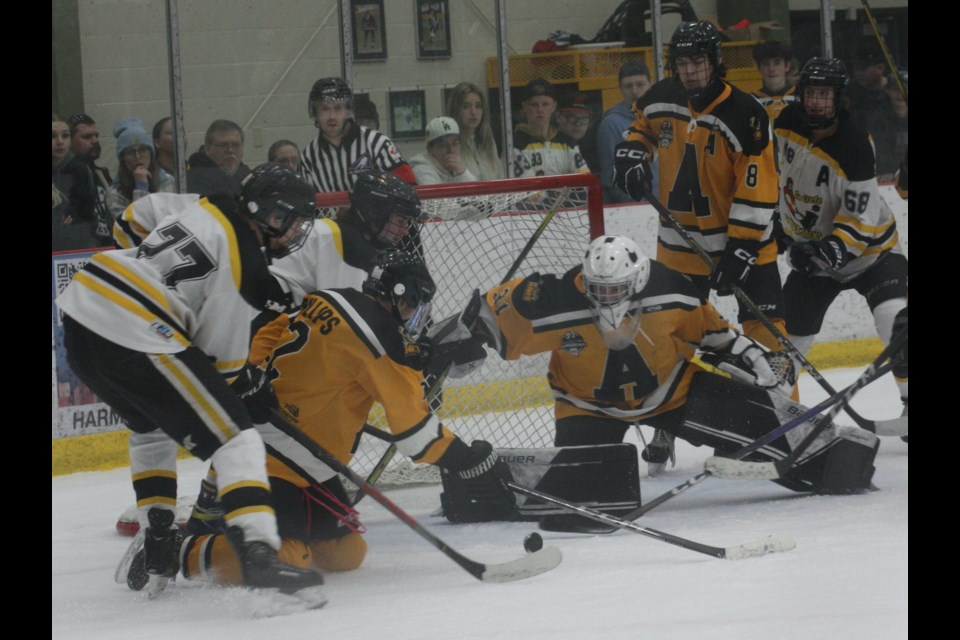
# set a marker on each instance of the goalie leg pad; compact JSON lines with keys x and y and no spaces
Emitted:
{"x":844,"y":466}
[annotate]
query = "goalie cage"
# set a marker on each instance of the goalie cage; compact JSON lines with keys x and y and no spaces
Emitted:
{"x":472,"y":235}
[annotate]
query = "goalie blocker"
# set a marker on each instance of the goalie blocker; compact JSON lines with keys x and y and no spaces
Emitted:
{"x":603,"y":477}
{"x":726,"y":414}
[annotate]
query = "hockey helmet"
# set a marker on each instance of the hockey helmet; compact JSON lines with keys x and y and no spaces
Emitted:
{"x":822,"y":72}
{"x":402,"y":277}
{"x":281,"y":204}
{"x":328,"y":91}
{"x":387,"y":206}
{"x":692,"y":39}
{"x":615,"y":271}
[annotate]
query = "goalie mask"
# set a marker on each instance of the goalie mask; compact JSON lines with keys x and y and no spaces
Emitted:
{"x":387,"y":207}
{"x":281,"y":204}
{"x":615,"y":271}
{"x":402,"y":278}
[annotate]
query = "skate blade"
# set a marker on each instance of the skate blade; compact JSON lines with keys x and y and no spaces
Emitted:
{"x":156,"y":586}
{"x":283,"y":604}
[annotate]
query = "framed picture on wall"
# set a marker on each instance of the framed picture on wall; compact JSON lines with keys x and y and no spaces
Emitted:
{"x":408,"y":114}
{"x":433,"y":28}
{"x":369,"y":31}
{"x":445,"y":93}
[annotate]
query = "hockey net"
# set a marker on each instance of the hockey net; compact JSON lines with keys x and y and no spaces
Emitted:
{"x":473,"y":235}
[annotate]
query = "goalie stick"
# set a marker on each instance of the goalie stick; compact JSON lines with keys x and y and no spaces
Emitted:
{"x":528,"y":566}
{"x":435,"y":388}
{"x":770,"y":544}
{"x":729,"y":468}
{"x":864,"y":423}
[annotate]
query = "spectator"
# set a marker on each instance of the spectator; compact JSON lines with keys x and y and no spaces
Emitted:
{"x":71,"y":231}
{"x":343,"y":147}
{"x":96,"y":181}
{"x":139,"y":173}
{"x":478,"y":147}
{"x":538,"y":148}
{"x":365,"y":113}
{"x":574,"y":116}
{"x":899,"y":104}
{"x":166,"y":149}
{"x":442,"y":163}
{"x":217,"y":167}
{"x":285,"y":152}
{"x":773,"y":58}
{"x":870,"y":107}
{"x":612,"y":130}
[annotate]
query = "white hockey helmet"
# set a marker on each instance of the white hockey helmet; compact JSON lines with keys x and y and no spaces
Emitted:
{"x":615,"y":271}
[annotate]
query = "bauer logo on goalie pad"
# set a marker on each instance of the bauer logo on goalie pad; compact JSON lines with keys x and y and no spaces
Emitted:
{"x":573,"y":343}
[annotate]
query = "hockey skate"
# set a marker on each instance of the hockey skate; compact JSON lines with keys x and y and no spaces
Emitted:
{"x":207,"y":514}
{"x":660,"y":450}
{"x":262,"y":569}
{"x":157,"y":562}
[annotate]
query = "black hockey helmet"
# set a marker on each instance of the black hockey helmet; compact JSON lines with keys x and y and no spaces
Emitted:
{"x":402,"y":276}
{"x":281,"y":204}
{"x":327,"y":91}
{"x":377,"y":196}
{"x":696,"y":39}
{"x":822,"y":72}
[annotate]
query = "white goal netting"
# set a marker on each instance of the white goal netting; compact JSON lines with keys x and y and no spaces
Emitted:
{"x":474,"y":234}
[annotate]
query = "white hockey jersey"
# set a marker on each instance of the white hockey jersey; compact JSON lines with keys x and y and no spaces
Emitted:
{"x":144,"y":214}
{"x":532,"y":156}
{"x":829,"y":187}
{"x":198,"y":279}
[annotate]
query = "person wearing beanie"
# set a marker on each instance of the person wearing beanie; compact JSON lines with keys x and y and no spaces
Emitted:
{"x":776,"y":92}
{"x":139,"y":174}
{"x":634,"y":82}
{"x":442,"y":162}
{"x":538,"y":148}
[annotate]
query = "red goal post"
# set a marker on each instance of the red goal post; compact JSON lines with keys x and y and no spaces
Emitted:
{"x":472,"y":235}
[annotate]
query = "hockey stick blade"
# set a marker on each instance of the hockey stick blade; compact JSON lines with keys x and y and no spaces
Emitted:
{"x":730,"y":469}
{"x":892,"y":427}
{"x":120,"y":575}
{"x":526,"y":567}
{"x":771,"y":544}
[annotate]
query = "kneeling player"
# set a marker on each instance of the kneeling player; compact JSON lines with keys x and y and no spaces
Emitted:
{"x":622,"y":330}
{"x":328,"y":364}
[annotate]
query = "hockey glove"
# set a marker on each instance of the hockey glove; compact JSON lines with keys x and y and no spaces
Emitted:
{"x":812,"y":257}
{"x":899,"y":359}
{"x":746,"y":361}
{"x":474,"y":484}
{"x":631,"y":169}
{"x":734,"y":266}
{"x":462,"y":356}
{"x":256,"y":393}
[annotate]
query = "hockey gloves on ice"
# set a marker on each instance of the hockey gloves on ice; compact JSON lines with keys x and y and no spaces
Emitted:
{"x":734,"y":267}
{"x":474,"y":484}
{"x":256,"y":393}
{"x":812,"y":257}
{"x":631,"y":169}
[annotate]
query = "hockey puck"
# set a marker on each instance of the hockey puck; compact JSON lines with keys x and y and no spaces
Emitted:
{"x":533,"y":542}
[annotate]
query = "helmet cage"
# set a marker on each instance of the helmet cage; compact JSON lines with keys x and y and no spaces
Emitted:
{"x":693,"y":39}
{"x":821,"y":72}
{"x":401,"y":277}
{"x":281,"y":205}
{"x":615,"y":272}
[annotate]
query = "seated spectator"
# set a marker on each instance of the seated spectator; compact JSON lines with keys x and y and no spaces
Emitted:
{"x":478,"y":147}
{"x":139,"y":173}
{"x":634,"y":82}
{"x":538,"y":148}
{"x":217,"y":167}
{"x":286,"y":153}
{"x":575,"y":120}
{"x":70,"y":230}
{"x":365,"y":113}
{"x":442,"y":163}
{"x":870,"y":107}
{"x":85,"y":148}
{"x":772,"y":58}
{"x":164,"y":145}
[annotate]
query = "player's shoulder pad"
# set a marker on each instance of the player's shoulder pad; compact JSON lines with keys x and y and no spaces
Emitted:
{"x":666,"y":91}
{"x":747,"y":119}
{"x":540,"y":295}
{"x":369,"y":321}
{"x":666,"y":283}
{"x":851,"y":149}
{"x":358,"y":250}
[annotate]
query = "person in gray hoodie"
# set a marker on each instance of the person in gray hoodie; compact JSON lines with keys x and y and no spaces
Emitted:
{"x":442,"y":162}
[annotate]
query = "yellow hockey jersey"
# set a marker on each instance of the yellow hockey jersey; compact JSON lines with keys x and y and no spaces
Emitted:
{"x":546,"y":313}
{"x":718,"y":174}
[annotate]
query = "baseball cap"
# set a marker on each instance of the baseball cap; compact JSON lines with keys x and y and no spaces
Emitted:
{"x":574,"y":102}
{"x":634,"y":68}
{"x":539,"y":87}
{"x":441,"y":127}
{"x":868,"y":54}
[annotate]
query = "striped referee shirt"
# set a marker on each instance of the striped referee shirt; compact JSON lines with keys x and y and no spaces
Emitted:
{"x":331,"y":168}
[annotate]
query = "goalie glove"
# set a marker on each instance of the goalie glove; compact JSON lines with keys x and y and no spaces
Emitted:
{"x":734,"y":267}
{"x":746,"y":361}
{"x":812,"y":257}
{"x":458,"y":341}
{"x":474,"y":484}
{"x":631,"y":169}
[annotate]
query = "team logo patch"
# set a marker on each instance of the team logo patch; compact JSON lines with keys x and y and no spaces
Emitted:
{"x":162,"y":330}
{"x":292,"y":409}
{"x":573,"y":343}
{"x":666,"y":135}
{"x":755,"y":125}
{"x":531,"y":292}
{"x":363,"y":163}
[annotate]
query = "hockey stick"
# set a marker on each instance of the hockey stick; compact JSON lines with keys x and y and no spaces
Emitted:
{"x":862,"y":422}
{"x":771,"y":544}
{"x":387,"y":456}
{"x":731,"y":468}
{"x":526,"y":567}
{"x":865,"y":379}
